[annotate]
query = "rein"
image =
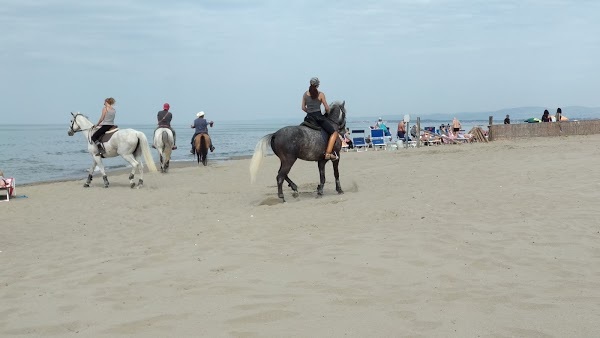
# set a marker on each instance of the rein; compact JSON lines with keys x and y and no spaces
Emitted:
{"x":81,"y":129}
{"x":75,"y":121}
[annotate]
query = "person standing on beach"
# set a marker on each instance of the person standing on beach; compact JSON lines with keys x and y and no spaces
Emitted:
{"x":401,"y":130}
{"x":311,"y":105}
{"x":507,"y":120}
{"x":106,"y":121}
{"x":201,"y":126}
{"x":558,"y":114}
{"x":164,"y":121}
{"x":456,"y":125}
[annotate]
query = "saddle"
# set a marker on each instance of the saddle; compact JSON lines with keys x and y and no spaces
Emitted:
{"x":310,"y":124}
{"x":313,"y":125}
{"x":106,"y":137}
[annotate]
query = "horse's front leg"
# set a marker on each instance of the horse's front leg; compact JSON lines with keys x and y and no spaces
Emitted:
{"x":336,"y":174}
{"x":321,"y":165}
{"x":90,"y":175}
{"x":101,"y":167}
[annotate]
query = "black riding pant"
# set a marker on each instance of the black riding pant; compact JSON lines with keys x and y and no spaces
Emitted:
{"x":319,"y":119}
{"x":100,"y":132}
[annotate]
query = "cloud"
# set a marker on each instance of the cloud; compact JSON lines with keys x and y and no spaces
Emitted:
{"x":233,"y":51}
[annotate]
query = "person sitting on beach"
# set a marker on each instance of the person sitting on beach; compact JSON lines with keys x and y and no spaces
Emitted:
{"x":346,"y":139}
{"x":413,"y":131}
{"x":507,"y":120}
{"x":312,"y":100}
{"x":464,"y":136}
{"x":106,"y":121}
{"x":546,"y":116}
{"x":428,"y":138}
{"x":3,"y":183}
{"x":201,"y":125}
{"x":164,"y":121}
{"x":381,"y":125}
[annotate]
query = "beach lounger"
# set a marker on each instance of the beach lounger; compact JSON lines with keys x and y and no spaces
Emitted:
{"x":7,"y":185}
{"x":378,"y":139}
{"x":358,"y":139}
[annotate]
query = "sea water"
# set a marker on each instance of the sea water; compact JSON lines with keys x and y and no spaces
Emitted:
{"x":38,"y":153}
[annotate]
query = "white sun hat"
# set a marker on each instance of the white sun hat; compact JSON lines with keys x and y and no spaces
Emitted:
{"x":200,"y":114}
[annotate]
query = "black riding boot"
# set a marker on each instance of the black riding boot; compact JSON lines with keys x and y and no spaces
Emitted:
{"x":100,"y":148}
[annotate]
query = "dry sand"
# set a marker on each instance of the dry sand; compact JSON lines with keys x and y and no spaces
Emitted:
{"x":498,"y":239}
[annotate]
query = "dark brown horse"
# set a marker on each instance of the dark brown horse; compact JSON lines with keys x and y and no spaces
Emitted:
{"x":301,"y":142}
{"x":201,"y":146}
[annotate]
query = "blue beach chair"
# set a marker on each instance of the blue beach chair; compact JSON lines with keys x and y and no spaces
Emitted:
{"x":358,"y":139}
{"x":378,"y":139}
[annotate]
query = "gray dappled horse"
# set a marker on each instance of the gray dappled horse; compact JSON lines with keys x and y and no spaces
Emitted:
{"x":163,"y":142}
{"x":130,"y":144}
{"x":301,"y":142}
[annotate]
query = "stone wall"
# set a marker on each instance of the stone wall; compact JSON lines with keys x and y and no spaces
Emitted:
{"x":544,"y":129}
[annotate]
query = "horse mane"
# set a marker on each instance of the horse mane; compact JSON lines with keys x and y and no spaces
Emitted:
{"x":342,"y":117}
{"x":82,"y":114}
{"x":336,"y":103}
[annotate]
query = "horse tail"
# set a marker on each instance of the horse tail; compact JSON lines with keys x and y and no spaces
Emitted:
{"x":203,"y":145}
{"x":259,"y":153}
{"x":167,"y":146}
{"x":143,"y":143}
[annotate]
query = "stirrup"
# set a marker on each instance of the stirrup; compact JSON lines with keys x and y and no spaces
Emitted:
{"x":333,"y":156}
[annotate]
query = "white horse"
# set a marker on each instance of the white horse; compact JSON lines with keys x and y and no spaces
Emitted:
{"x":163,"y":142}
{"x":129,"y":143}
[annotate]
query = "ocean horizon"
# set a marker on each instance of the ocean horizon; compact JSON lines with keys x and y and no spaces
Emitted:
{"x":44,"y":152}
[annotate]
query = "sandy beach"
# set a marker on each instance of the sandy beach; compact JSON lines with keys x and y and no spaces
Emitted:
{"x":497,"y":239}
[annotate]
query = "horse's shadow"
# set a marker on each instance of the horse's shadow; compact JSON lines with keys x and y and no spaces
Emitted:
{"x":305,"y":192}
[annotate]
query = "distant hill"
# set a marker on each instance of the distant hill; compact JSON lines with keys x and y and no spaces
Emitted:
{"x":518,"y":113}
{"x":521,"y":113}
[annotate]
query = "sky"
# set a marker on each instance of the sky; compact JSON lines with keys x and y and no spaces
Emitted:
{"x":249,"y":60}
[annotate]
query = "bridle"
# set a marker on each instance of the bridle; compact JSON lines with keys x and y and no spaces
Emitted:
{"x":341,"y":117}
{"x":71,"y":130}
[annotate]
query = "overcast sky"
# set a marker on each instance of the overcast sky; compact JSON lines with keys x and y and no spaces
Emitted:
{"x":240,"y":60}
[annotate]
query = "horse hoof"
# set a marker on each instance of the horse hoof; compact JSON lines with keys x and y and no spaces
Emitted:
{"x":340,"y":192}
{"x":106,"y":186}
{"x":132,"y":185}
{"x":86,"y":185}
{"x":295,"y":194}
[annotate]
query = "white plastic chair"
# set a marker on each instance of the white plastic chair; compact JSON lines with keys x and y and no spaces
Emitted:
{"x":8,"y":186}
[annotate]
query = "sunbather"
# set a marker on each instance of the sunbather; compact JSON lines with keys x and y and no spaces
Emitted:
{"x":3,"y":183}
